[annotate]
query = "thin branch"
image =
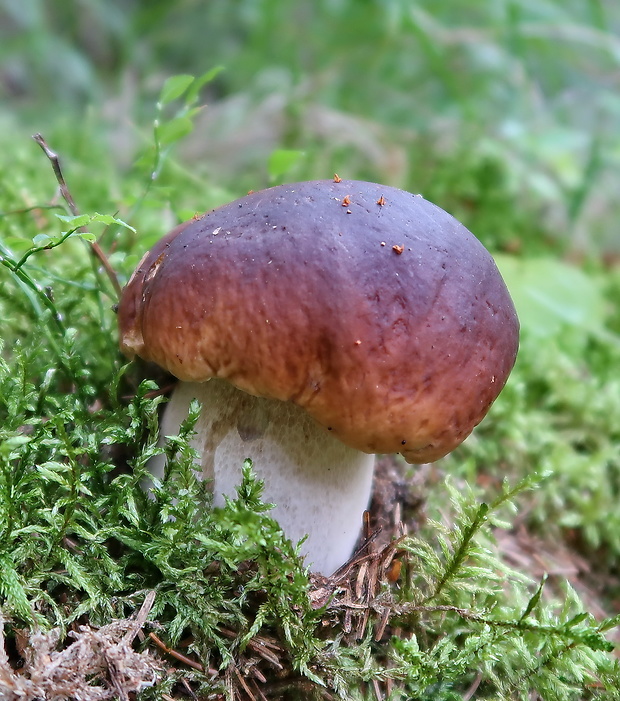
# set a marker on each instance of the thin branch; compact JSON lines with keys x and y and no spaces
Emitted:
{"x":243,"y":684}
{"x":65,"y":192}
{"x":53,"y":157}
{"x":177,"y":655}
{"x":180,"y":656}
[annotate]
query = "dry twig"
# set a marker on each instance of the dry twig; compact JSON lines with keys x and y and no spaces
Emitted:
{"x":99,"y":665}
{"x":65,"y":192}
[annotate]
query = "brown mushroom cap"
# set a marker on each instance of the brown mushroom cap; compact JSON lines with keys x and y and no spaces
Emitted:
{"x":371,"y":308}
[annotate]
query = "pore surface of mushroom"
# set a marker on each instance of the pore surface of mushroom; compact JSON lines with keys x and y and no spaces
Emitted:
{"x":320,"y":323}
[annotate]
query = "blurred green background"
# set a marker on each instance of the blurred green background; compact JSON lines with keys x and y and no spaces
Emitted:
{"x":477,"y":105}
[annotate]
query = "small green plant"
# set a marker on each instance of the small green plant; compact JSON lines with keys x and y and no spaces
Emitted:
{"x":82,"y":541}
{"x":558,"y":412}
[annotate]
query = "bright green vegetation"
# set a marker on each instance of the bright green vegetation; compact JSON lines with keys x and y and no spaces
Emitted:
{"x":503,"y":115}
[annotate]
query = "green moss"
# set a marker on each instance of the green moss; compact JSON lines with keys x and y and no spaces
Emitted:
{"x":81,"y":542}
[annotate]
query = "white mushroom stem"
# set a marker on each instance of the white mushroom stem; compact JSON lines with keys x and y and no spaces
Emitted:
{"x":320,"y":487}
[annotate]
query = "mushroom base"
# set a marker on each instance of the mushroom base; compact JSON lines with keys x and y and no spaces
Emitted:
{"x":319,"y":486}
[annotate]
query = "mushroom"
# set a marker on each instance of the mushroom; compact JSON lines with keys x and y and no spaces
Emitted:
{"x":320,"y":323}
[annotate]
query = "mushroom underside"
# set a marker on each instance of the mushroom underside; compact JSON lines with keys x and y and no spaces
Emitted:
{"x":319,"y":486}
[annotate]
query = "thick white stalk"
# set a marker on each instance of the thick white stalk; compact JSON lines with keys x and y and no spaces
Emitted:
{"x":320,"y":486}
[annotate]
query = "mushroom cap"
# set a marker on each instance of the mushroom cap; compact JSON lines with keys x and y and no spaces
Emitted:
{"x":373,"y":309}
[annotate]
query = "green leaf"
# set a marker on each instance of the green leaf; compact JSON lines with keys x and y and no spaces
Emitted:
{"x":42,"y":240}
{"x":87,"y":236}
{"x":610,"y":623}
{"x":174,"y":87}
{"x":597,"y":642}
{"x":75,"y":222}
{"x":577,"y":619}
{"x":7,"y":445}
{"x":551,"y":295}
{"x":109,"y":220}
{"x":17,"y":244}
{"x":174,"y":130}
{"x":200,"y":82}
{"x":81,"y":220}
{"x":11,"y":588}
{"x":534,"y":601}
{"x":53,"y":471}
{"x":281,"y":161}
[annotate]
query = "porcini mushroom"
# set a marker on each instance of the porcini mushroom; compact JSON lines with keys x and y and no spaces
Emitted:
{"x":316,"y":335}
